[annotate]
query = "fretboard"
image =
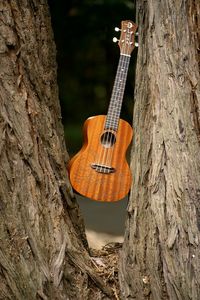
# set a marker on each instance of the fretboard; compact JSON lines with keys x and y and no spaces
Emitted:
{"x":115,"y":105}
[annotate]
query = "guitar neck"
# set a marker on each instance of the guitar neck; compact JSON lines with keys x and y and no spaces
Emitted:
{"x":116,"y":100}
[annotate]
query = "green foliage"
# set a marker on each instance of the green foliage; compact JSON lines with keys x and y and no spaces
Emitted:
{"x":87,"y":60}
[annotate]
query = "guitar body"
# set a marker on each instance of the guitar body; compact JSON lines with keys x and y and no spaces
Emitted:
{"x":99,"y":170}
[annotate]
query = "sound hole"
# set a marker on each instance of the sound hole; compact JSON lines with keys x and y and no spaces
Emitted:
{"x":108,"y":139}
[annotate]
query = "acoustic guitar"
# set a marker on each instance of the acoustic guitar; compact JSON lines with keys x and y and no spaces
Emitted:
{"x":99,"y":170}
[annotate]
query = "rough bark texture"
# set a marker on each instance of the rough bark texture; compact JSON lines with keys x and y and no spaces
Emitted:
{"x":42,"y":252}
{"x":161,"y":257}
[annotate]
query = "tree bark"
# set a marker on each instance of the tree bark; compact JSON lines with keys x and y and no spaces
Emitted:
{"x":161,"y":257}
{"x":43,"y":250}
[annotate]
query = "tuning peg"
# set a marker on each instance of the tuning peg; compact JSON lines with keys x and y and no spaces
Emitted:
{"x":115,"y":40}
{"x":136,"y":34}
{"x":136,"y":44}
{"x":117,"y":29}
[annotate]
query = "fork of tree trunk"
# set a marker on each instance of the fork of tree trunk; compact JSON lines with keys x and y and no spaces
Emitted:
{"x":43,"y":249}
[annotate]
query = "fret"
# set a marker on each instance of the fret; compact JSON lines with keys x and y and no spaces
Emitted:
{"x":111,"y":127}
{"x":115,"y":105}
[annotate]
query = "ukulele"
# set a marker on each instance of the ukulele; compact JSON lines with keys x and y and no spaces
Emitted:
{"x":99,"y":170}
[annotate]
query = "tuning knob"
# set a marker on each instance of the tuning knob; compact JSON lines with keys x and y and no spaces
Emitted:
{"x":117,"y":29}
{"x":136,"y":44}
{"x":115,"y":40}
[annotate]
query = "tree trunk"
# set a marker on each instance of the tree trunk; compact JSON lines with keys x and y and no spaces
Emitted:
{"x":43,"y":250}
{"x":161,"y":257}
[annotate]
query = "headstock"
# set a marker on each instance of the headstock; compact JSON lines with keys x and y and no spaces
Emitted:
{"x":126,"y":41}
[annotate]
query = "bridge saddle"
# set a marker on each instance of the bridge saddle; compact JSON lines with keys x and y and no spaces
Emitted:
{"x":102,"y":168}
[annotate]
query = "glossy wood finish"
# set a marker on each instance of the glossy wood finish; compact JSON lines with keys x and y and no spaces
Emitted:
{"x":126,"y":40}
{"x":87,"y":181}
